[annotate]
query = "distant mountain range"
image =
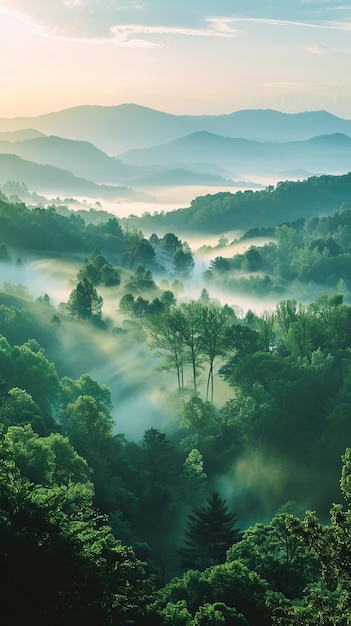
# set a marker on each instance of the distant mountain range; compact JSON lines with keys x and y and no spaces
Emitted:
{"x":323,"y":154}
{"x":116,"y":129}
{"x":79,"y":157}
{"x":47,"y":179}
{"x":118,"y":150}
{"x":83,"y":159}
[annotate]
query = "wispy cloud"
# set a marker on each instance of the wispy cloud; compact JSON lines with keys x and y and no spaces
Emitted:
{"x":95,"y":18}
{"x":322,"y":25}
{"x":126,"y":34}
{"x":123,"y":34}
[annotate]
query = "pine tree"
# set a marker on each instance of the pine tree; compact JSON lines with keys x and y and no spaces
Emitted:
{"x":210,"y":533}
{"x":158,"y":456}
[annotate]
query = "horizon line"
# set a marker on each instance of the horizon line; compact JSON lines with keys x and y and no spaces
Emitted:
{"x":150,"y":108}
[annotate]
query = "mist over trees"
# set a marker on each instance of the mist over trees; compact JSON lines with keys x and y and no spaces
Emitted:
{"x":223,"y":515}
{"x":243,"y":210}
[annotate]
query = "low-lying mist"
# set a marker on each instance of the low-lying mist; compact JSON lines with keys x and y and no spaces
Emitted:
{"x":142,"y":397}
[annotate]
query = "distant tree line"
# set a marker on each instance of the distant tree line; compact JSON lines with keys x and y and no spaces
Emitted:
{"x":46,"y":229}
{"x":243,"y":210}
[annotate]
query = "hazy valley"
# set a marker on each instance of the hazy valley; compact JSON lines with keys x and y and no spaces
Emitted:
{"x":175,"y":328}
{"x":124,"y":151}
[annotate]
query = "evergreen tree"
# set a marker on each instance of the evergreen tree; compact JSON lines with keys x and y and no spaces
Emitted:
{"x":158,"y":458}
{"x":210,"y":533}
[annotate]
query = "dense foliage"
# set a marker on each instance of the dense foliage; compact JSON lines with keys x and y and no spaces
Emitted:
{"x":226,"y":211}
{"x":203,"y":522}
{"x":304,"y":254}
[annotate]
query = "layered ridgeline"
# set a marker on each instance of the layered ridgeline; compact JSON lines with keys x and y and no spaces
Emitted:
{"x":142,"y":148}
{"x":119,"y":128}
{"x":51,"y":180}
{"x":160,"y":443}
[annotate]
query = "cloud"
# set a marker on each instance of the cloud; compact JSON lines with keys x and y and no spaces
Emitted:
{"x":124,"y":35}
{"x":97,"y":19}
{"x":322,"y":24}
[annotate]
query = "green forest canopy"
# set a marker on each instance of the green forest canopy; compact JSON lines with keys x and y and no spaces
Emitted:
{"x":92,"y":524}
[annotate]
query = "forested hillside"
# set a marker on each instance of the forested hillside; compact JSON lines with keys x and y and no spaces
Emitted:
{"x":225,"y":211}
{"x":217,"y":508}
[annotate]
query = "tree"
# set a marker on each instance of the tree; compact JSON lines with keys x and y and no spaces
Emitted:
{"x":84,"y":302}
{"x":97,"y":269}
{"x":170,"y":244}
{"x":31,"y":371}
{"x":192,"y":334}
{"x":198,"y":416}
{"x":183,"y":261}
{"x":138,"y":249}
{"x":299,"y":335}
{"x":158,"y":458}
{"x":193,"y":470}
{"x":278,"y":555}
{"x":210,"y":533}
{"x":328,"y":600}
{"x":286,"y":313}
{"x":70,"y":390}
{"x":46,"y":460}
{"x":141,"y":280}
{"x":110,"y":276}
{"x":265,"y":328}
{"x":19,"y":408}
{"x":240,"y":341}
{"x":228,"y":594}
{"x":168,"y":299}
{"x":87,"y":427}
{"x":214,"y":324}
{"x":145,"y":252}
{"x":252,"y":260}
{"x":91,"y":272}
{"x":167,"y":339}
{"x":217,"y":614}
{"x":63,"y":565}
{"x":220,"y":264}
{"x":126,"y":304}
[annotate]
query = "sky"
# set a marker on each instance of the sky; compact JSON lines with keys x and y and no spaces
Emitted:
{"x":178,"y":56}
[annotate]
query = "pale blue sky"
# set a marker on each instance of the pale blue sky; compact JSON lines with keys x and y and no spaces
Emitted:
{"x":181,"y":56}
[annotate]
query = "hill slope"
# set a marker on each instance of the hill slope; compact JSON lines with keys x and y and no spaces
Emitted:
{"x":79,"y":157}
{"x":53,"y":180}
{"x":243,"y":210}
